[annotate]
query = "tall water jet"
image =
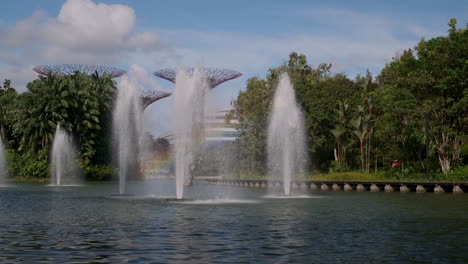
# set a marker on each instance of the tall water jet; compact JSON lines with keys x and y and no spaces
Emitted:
{"x":3,"y":163}
{"x":127,"y":129}
{"x":189,"y":107}
{"x":64,"y":167}
{"x":286,"y":136}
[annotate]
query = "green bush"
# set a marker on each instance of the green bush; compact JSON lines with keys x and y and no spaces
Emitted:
{"x":400,"y":174}
{"x":100,"y":173}
{"x":27,"y":167}
{"x":464,"y":154}
{"x":38,"y":169}
{"x":456,"y":175}
{"x":336,"y":167}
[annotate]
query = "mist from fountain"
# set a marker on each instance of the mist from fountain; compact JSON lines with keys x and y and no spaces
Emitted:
{"x":189,"y":107}
{"x":127,"y":129}
{"x":64,"y":168}
{"x":286,"y":136}
{"x":3,"y":163}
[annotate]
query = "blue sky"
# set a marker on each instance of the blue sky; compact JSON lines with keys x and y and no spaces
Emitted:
{"x":248,"y":36}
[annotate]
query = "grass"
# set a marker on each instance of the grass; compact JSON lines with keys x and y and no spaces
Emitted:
{"x":360,"y":176}
{"x":345,"y":176}
{"x":458,"y":175}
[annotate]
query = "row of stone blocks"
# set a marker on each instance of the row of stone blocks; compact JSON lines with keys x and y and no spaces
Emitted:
{"x":335,"y":187}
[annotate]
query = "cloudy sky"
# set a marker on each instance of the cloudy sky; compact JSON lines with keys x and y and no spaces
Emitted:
{"x":246,"y":35}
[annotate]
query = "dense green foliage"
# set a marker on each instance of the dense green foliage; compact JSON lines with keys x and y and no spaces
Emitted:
{"x":100,"y":172}
{"x":367,"y":123}
{"x":80,"y":103}
{"x":435,"y":75}
{"x":8,"y":109}
{"x":27,"y":167}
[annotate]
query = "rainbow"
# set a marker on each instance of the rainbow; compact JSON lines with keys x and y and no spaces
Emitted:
{"x":161,"y":164}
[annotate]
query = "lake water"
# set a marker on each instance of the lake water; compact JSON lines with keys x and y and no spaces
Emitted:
{"x":40,"y":224}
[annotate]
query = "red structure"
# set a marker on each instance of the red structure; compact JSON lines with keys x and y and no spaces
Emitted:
{"x":65,"y":69}
{"x":215,"y":76}
{"x":150,"y":96}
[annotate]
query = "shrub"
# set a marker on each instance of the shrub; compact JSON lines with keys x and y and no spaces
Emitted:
{"x":38,"y":169}
{"x":100,"y":173}
{"x":26,"y":167}
{"x":336,"y":167}
{"x":458,"y":174}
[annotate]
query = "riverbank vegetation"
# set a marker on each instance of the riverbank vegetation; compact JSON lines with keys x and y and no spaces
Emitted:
{"x":380,"y":126}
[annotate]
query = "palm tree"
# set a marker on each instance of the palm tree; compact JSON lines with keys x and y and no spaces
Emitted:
{"x":339,"y":131}
{"x":360,"y":125}
{"x":80,"y":103}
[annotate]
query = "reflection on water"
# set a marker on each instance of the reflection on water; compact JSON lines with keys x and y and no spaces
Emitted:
{"x":83,"y":225}
{"x":292,"y":196}
{"x":218,"y":201}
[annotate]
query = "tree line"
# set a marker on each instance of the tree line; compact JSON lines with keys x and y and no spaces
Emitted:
{"x":371,"y":123}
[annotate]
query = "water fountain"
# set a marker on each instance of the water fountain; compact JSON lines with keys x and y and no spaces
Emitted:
{"x":3,"y":164}
{"x":64,"y":167}
{"x":189,"y":98}
{"x":286,"y":137}
{"x":127,"y":129}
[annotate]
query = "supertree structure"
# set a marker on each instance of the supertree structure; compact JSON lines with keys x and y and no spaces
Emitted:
{"x":150,"y":96}
{"x":215,"y":76}
{"x":66,"y":69}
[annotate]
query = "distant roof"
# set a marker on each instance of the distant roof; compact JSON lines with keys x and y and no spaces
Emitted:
{"x":66,"y":69}
{"x":215,"y":76}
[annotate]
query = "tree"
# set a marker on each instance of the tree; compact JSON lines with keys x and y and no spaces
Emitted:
{"x":80,"y":103}
{"x":367,"y":117}
{"x":435,"y":72}
{"x":252,"y":107}
{"x":340,"y":132}
{"x":318,"y":94}
{"x":8,"y":97}
{"x":360,"y":131}
{"x":397,"y":126}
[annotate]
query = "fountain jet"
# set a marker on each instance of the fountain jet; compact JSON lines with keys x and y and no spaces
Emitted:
{"x":3,"y":164}
{"x":189,"y":106}
{"x":63,"y":163}
{"x":286,"y":137}
{"x":127,"y":129}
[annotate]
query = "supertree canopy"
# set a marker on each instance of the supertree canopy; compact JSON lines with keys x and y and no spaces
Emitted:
{"x":66,"y":69}
{"x":150,"y":96}
{"x":215,"y":76}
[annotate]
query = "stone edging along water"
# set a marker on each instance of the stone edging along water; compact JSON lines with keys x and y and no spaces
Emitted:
{"x":359,"y":186}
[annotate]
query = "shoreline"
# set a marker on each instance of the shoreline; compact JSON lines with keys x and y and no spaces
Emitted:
{"x":359,"y":186}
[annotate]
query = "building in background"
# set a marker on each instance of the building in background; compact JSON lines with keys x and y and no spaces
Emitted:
{"x":218,"y":151}
{"x":218,"y":128}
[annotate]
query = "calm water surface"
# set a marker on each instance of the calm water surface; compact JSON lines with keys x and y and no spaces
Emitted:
{"x":40,"y":224}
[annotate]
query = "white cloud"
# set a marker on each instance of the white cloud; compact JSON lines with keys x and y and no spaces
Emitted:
{"x":350,"y":40}
{"x":255,"y":54}
{"x":142,"y":78}
{"x":83,"y":26}
{"x":83,"y":32}
{"x":18,"y":74}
